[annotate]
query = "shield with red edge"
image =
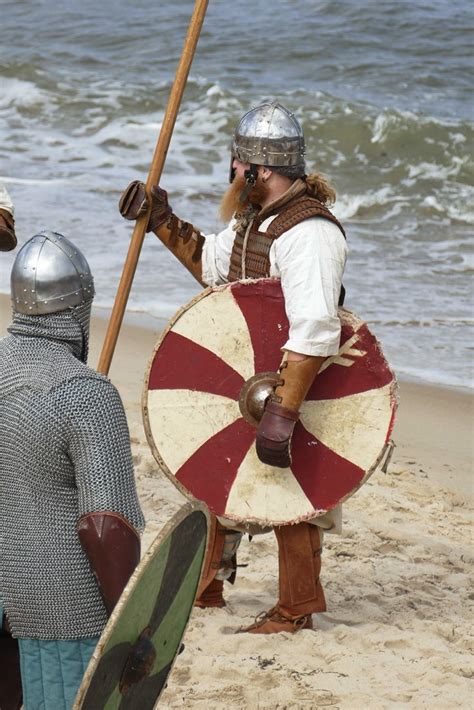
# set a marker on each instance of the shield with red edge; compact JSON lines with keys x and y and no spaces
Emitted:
{"x":202,"y":431}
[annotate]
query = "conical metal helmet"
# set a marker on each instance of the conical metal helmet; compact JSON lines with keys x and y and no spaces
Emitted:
{"x":49,"y":275}
{"x":269,"y":135}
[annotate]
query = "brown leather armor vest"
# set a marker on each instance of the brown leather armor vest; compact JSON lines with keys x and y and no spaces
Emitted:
{"x":257,"y":251}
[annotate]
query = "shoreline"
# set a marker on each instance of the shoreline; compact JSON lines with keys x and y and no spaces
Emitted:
{"x":142,"y":319}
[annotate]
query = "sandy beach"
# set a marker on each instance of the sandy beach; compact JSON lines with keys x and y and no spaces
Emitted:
{"x":398,"y":581}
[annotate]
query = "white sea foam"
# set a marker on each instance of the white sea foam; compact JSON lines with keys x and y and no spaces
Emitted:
{"x":432,"y":171}
{"x":387,"y":121}
{"x":8,"y":179}
{"x":347,"y":207}
{"x":457,"y":138}
{"x":20,"y":94}
{"x":459,"y":214}
{"x":457,"y":204}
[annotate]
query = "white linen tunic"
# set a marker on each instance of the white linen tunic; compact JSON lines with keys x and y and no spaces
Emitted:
{"x":309,"y":259}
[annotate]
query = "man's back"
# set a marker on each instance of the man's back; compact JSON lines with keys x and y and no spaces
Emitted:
{"x":64,"y":434}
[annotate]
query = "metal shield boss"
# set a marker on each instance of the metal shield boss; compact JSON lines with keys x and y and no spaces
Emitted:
{"x":135,"y":654}
{"x":204,"y":393}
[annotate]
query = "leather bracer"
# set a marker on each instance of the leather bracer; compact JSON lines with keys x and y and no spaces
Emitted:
{"x":297,"y":376}
{"x":112,"y":546}
{"x":185,"y":242}
{"x":181,"y":238}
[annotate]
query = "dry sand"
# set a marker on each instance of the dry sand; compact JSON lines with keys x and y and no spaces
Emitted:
{"x":398,"y":582}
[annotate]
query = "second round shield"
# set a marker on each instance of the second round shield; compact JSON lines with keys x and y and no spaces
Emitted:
{"x":202,"y":396}
{"x":134,"y":656}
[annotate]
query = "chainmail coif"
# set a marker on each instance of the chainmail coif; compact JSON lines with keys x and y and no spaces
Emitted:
{"x":64,"y":452}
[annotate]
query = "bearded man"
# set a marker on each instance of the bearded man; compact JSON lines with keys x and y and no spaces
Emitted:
{"x":69,"y":513}
{"x":7,"y":221}
{"x":280,"y":226}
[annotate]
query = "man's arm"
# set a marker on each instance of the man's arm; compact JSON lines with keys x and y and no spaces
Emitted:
{"x":310,"y":258}
{"x":110,"y":517}
{"x":181,"y":238}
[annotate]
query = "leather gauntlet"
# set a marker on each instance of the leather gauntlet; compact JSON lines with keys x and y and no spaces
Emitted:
{"x":275,"y":429}
{"x":133,"y":204}
{"x":112,"y":546}
{"x":7,"y":231}
{"x":274,"y":435}
{"x":181,"y":238}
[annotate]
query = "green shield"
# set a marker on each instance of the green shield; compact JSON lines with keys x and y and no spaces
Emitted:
{"x":137,"y":649}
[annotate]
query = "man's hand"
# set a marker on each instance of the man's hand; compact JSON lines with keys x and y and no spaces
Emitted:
{"x":282,"y":409}
{"x":274,"y":435}
{"x":134,"y":203}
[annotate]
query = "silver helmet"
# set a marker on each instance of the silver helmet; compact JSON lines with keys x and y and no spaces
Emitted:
{"x":49,"y":275}
{"x":270,"y":135}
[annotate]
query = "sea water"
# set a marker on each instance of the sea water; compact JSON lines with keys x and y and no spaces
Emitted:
{"x":382,"y":90}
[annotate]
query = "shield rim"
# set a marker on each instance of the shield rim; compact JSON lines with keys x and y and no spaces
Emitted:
{"x":144,"y":400}
{"x":178,"y":517}
{"x":394,"y":396}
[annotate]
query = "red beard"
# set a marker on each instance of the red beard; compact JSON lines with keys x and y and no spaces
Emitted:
{"x":231,"y":203}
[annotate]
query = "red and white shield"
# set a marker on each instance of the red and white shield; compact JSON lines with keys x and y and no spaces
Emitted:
{"x":197,"y":431}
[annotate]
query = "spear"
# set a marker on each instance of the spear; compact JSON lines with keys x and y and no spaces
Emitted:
{"x":154,"y":176}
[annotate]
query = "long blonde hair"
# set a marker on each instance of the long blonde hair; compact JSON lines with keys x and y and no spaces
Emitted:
{"x":320,"y":188}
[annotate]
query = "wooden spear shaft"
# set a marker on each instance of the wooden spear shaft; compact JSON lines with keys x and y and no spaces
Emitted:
{"x":154,"y":175}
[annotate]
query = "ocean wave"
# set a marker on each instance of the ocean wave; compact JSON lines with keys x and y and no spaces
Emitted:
{"x":20,"y":94}
{"x":424,"y":323}
{"x":32,"y":181}
{"x":82,"y":110}
{"x":347,"y":207}
{"x":434,"y":171}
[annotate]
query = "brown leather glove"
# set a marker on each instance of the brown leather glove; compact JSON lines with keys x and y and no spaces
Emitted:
{"x":7,"y":231}
{"x":134,"y":203}
{"x":274,"y":435}
{"x":112,"y":546}
{"x":282,"y":410}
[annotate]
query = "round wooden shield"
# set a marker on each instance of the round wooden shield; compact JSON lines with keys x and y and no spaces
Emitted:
{"x":194,"y":419}
{"x":137,"y":649}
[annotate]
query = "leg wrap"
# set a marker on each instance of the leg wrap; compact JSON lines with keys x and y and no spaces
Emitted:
{"x":220,"y":564}
{"x":228,"y":563}
{"x":299,"y":557}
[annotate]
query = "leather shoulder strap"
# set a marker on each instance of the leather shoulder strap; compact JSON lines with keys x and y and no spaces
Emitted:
{"x":297,"y":211}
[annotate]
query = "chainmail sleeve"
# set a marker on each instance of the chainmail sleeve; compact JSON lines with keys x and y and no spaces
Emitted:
{"x":98,"y":445}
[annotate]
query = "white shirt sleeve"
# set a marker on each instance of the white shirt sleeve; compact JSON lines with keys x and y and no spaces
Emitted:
{"x":310,"y":260}
{"x":216,"y":256}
